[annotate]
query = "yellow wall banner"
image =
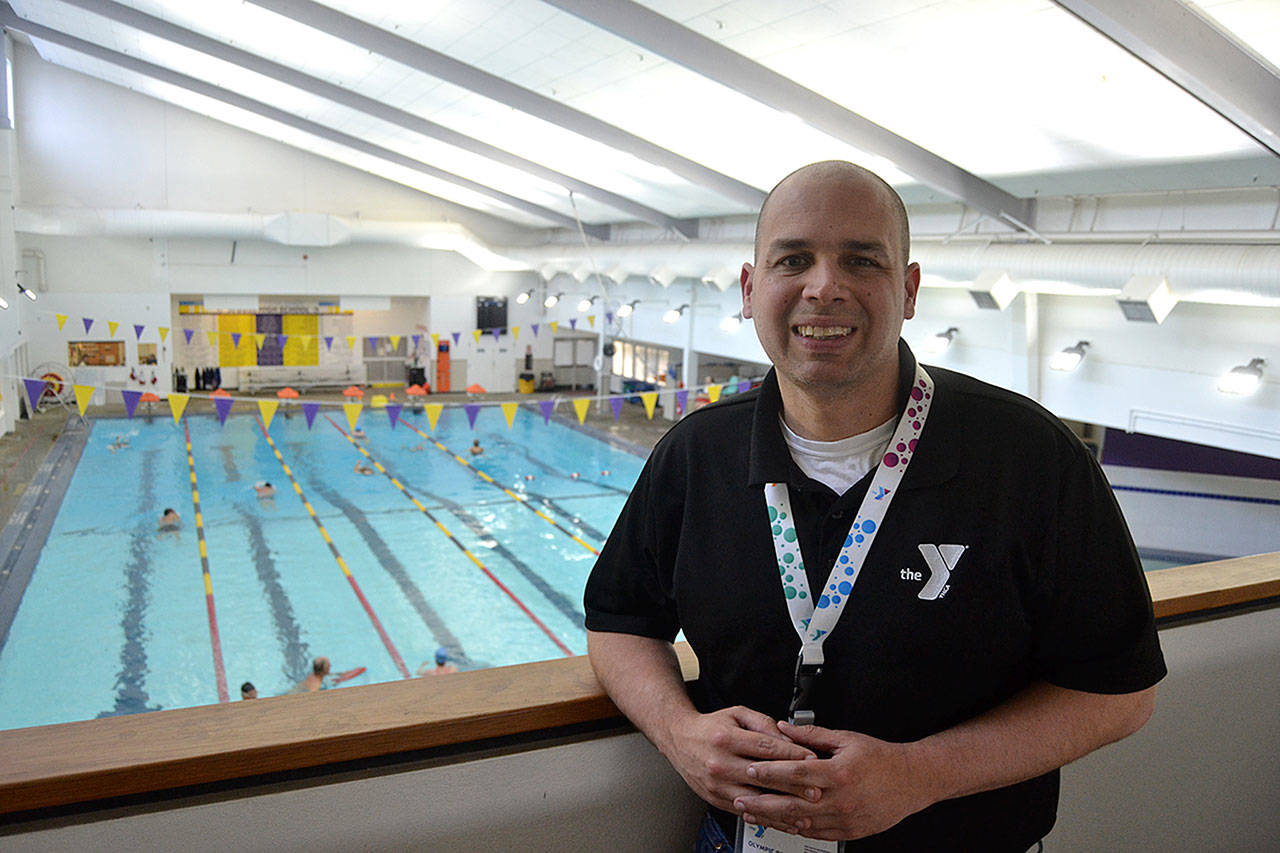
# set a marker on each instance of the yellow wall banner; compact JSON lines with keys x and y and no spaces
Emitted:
{"x":302,"y":344}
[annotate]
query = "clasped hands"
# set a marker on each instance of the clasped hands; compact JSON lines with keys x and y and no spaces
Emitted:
{"x":807,"y":780}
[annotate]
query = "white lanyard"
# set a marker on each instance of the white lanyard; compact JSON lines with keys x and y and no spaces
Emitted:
{"x":814,"y":620}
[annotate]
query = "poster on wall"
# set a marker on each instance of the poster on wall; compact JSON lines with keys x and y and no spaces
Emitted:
{"x":96,"y":353}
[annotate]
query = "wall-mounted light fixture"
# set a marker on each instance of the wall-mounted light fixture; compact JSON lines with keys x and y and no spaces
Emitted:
{"x":585,"y":305}
{"x":937,"y":344}
{"x":552,"y":300}
{"x":4,"y":304}
{"x":30,"y":294}
{"x":731,"y":323}
{"x":629,"y":308}
{"x":1069,"y":359}
{"x":524,"y":296}
{"x":1243,"y":379}
{"x":674,"y":315}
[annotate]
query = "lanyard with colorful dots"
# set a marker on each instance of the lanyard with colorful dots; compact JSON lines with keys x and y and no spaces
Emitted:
{"x":814,"y":620}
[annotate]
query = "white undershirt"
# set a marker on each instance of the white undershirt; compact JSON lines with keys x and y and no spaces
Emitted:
{"x":839,"y":464}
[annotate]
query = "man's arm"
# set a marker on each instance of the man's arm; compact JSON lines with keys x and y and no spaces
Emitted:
{"x":868,"y":785}
{"x":710,"y":751}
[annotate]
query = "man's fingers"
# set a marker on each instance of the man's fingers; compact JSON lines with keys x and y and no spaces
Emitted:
{"x":824,"y":740}
{"x":804,"y":778}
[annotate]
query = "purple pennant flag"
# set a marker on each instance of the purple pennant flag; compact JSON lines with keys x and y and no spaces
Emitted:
{"x":223,"y":406}
{"x":328,"y":344}
{"x":393,"y":412}
{"x":472,"y":410}
{"x":417,"y":339}
{"x":87,"y":324}
{"x":188,"y":333}
{"x":235,"y":339}
{"x":535,"y":329}
{"x":310,"y":409}
{"x":456,"y":335}
{"x":130,"y":401}
{"x":615,"y":403}
{"x":137,"y":330}
{"x":547,"y":406}
{"x":682,"y":399}
{"x":608,"y":317}
{"x":573,"y":323}
{"x":280,"y":339}
{"x":744,"y":385}
{"x":497,"y":333}
{"x":35,"y":388}
{"x":373,"y":342}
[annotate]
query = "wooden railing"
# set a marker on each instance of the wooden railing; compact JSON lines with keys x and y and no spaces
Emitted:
{"x":72,"y":763}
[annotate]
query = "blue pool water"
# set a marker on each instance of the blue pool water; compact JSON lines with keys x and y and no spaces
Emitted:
{"x":115,"y":618}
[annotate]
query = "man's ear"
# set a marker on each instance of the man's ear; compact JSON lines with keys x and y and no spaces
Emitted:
{"x":912,"y":285}
{"x":745,"y":277}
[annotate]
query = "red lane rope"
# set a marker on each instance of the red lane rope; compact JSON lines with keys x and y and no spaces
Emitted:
{"x":490,"y":575}
{"x":219,"y":671}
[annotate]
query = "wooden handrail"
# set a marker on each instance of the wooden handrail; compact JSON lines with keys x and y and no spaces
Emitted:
{"x":69,"y":763}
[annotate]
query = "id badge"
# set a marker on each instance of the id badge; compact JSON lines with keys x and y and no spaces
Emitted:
{"x":761,"y":839}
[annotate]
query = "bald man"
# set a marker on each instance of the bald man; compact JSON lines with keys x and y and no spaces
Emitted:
{"x":912,"y":595}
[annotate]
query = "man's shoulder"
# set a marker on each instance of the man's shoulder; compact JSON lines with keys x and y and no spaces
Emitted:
{"x":996,"y":406}
{"x":727,"y":416}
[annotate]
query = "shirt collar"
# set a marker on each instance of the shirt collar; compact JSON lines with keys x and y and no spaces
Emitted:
{"x":769,"y":460}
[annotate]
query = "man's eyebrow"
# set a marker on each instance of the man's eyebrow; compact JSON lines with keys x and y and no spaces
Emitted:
{"x":789,"y":244}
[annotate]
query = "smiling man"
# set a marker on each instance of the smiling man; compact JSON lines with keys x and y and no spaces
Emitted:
{"x":912,"y":594}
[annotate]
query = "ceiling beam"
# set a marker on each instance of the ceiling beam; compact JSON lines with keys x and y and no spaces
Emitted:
{"x":1195,"y":53}
{"x":416,"y":124}
{"x":428,"y":61}
{"x":712,"y":60}
{"x":10,"y":20}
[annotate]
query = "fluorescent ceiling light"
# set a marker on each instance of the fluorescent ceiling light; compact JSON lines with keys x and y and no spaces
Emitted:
{"x":937,"y":344}
{"x":1068,"y":359}
{"x":552,"y":300}
{"x":674,"y":315}
{"x":1243,"y":379}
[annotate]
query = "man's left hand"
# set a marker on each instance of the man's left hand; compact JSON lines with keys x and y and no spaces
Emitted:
{"x":864,"y":787}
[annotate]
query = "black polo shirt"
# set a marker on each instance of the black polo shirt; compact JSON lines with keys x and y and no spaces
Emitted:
{"x":1048,"y":585}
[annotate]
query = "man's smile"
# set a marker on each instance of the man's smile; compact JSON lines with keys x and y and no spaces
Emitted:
{"x":822,"y":331}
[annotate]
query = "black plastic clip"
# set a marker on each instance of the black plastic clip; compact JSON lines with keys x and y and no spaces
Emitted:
{"x":801,"y":711}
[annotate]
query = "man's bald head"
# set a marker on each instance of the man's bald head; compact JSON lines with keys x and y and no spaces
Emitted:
{"x":841,"y":170}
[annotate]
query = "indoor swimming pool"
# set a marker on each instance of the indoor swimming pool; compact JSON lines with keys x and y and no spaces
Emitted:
{"x":484,"y":555}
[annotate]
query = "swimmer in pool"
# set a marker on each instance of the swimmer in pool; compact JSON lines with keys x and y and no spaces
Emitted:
{"x":358,"y":434}
{"x":170,"y":522}
{"x":417,"y":448}
{"x":476,"y":449}
{"x":248,"y":691}
{"x":264,"y":490}
{"x":119,"y":444}
{"x":442,"y":667}
{"x":362,"y":468}
{"x":314,"y":681}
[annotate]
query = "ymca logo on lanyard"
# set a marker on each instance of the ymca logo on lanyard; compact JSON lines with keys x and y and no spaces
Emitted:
{"x":814,"y":619}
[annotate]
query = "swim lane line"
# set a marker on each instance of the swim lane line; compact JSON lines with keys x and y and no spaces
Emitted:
{"x":333,"y":549}
{"x":463,"y":548}
{"x":219,"y":671}
{"x":520,"y":499}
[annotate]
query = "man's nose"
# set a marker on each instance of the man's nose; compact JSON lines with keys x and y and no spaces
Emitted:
{"x":825,"y":282}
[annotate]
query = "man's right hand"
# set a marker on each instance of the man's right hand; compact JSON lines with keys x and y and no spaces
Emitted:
{"x":713,"y":751}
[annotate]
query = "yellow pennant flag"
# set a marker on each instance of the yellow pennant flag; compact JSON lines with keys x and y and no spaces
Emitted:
{"x":509,"y":409}
{"x":435,"y":339}
{"x":62,"y":318}
{"x":164,"y":333}
{"x":580,"y":406}
{"x":353,"y":413}
{"x":83,"y":394}
{"x":351,"y":342}
{"x":591,"y":318}
{"x":515,"y":331}
{"x":395,"y":341}
{"x":213,"y":338}
{"x":476,"y":333}
{"x":260,"y":339}
{"x":650,"y":399}
{"x":177,"y":403}
{"x":433,"y":414}
{"x":713,"y":392}
{"x":112,"y":326}
{"x":555,"y":327}
{"x":267,"y":408}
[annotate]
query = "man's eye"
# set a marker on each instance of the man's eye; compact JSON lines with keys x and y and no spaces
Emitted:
{"x":793,"y":261}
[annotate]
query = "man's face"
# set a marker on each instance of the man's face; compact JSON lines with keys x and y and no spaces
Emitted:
{"x":829,"y":289}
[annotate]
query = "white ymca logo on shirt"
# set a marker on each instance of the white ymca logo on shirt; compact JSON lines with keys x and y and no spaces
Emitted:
{"x":941,"y":560}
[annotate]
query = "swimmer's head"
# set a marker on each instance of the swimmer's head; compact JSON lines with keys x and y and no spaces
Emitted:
{"x":442,"y":656}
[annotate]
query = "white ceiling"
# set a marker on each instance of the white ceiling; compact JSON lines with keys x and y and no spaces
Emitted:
{"x":999,"y":88}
